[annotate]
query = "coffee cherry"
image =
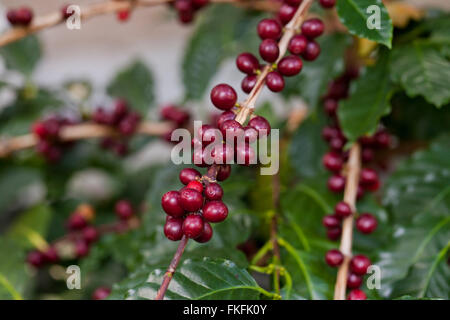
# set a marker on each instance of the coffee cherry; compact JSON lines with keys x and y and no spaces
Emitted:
{"x":367,"y":155}
{"x":290,"y":66}
{"x":248,"y":83}
{"x":297,"y":44}
{"x":382,"y":139}
{"x":312,"y":28}
{"x":51,"y":255}
{"x":81,"y":248}
{"x":334,"y":233}
{"x":269,"y":29}
{"x":171,"y":204}
{"x":123,"y":15}
{"x":332,"y":161}
{"x":176,"y":114}
{"x":90,"y":234}
{"x":224,"y":172}
{"x":183,"y":6}
{"x":261,"y":125}
{"x":369,"y":179}
{"x":215,"y":211}
{"x":275,"y":81}
{"x":129,"y":123}
{"x":331,"y":221}
{"x":336,"y":183}
{"x":197,"y":4}
{"x":337,"y":143}
{"x":342,"y":209}
{"x":245,"y":155}
{"x":359,"y":192}
{"x":354,"y":281}
{"x":173,"y":229}
{"x":76,"y":222}
{"x":329,"y":133}
{"x":224,"y":116}
{"x":222,"y":154}
{"x":193,"y":226}
{"x":206,"y":234}
{"x":334,"y":258}
{"x":213,"y":191}
{"x":198,"y":157}
{"x":191,"y":200}
{"x":101,"y":293}
{"x":338,"y":89}
{"x":188,"y":174}
{"x":269,"y":50}
{"x":223,"y":96}
{"x":247,"y":63}
{"x":312,"y":51}
{"x":250,"y":134}
{"x":327,"y":4}
{"x":35,"y":258}
{"x":366,"y":223}
{"x":330,"y":107}
{"x":65,"y":13}
{"x":356,"y":294}
{"x":124,"y":210}
{"x":196,"y":185}
{"x":286,"y":13}
{"x":20,"y":17}
{"x":359,"y":264}
{"x":231,"y":129}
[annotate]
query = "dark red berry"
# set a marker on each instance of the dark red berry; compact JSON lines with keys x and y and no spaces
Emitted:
{"x":245,"y":155}
{"x":191,"y":200}
{"x":213,"y":191}
{"x":336,"y":183}
{"x":198,"y":157}
{"x":123,"y":15}
{"x":334,"y":258}
{"x":224,"y":116}
{"x":261,"y":125}
{"x":329,"y":133}
{"x":290,"y":66}
{"x":51,"y":255}
{"x":206,"y":234}
{"x":359,"y":192}
{"x":297,"y":44}
{"x":124,"y":209}
{"x":334,"y":233}
{"x":275,"y":81}
{"x":222,"y":154}
{"x":215,"y":211}
{"x":354,"y":281}
{"x":101,"y":293}
{"x":193,"y":226}
{"x":330,"y":107}
{"x":332,"y":161}
{"x":188,"y":174}
{"x":231,"y":129}
{"x":369,"y":179}
{"x":294,"y":3}
{"x":337,"y":143}
{"x":81,"y":248}
{"x":76,"y":222}
{"x":36,"y":258}
{"x":312,"y":28}
{"x":174,"y":113}
{"x":250,"y":134}
{"x":359,"y":264}
{"x":366,"y":223}
{"x":312,"y":51}
{"x":382,"y":139}
{"x":90,"y":234}
{"x":196,"y":185}
{"x":327,"y":4}
{"x":223,"y":96}
{"x":356,"y":294}
{"x":285,"y":13}
{"x":269,"y":50}
{"x":171,"y":204}
{"x":209,"y":134}
{"x":21,"y":16}
{"x":224,"y":172}
{"x":197,"y":4}
{"x":247,"y":63}
{"x":66,"y":13}
{"x":173,"y":229}
{"x":269,"y":29}
{"x":248,"y":83}
{"x":129,"y":123}
{"x":367,"y":155}
{"x":331,"y":221}
{"x":342,"y":209}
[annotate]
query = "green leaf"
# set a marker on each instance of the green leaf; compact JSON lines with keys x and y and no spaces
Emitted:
{"x":13,"y":276}
{"x":358,"y":15}
{"x":369,"y":101}
{"x":315,"y":76}
{"x":134,"y":83}
{"x":22,"y":55}
{"x":204,"y":279}
{"x":421,"y":69}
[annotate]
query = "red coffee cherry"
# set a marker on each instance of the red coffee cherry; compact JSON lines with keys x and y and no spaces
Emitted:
{"x":215,"y":211}
{"x":261,"y":125}
{"x":101,"y":293}
{"x":369,"y":179}
{"x":35,"y":258}
{"x":245,"y":155}
{"x":290,"y":66}
{"x":248,"y":83}
{"x":327,"y":4}
{"x":188,"y":174}
{"x":366,"y":223}
{"x":312,"y":51}
{"x":128,"y":125}
{"x":334,"y":258}
{"x":206,"y":234}
{"x":356,"y":294}
{"x":224,"y":172}
{"x":171,"y":204}
{"x":286,"y":13}
{"x":124,"y":210}
{"x":51,"y":255}
{"x":367,"y":155}
{"x":297,"y":44}
{"x":330,"y":107}
{"x":337,"y":143}
{"x":196,"y":185}
{"x":331,"y":221}
{"x":191,"y":200}
{"x":209,"y":134}
{"x":269,"y":29}
{"x":223,"y":96}
{"x":329,"y":133}
{"x":176,"y":114}
{"x":224,"y":116}
{"x":332,"y":161}
{"x":250,"y":134}
{"x":76,"y":222}
{"x":198,"y":157}
{"x":81,"y":248}
{"x":269,"y":50}
{"x":359,"y":264}
{"x":334,"y":233}
{"x":247,"y":63}
{"x":173,"y":229}
{"x":382,"y":139}
{"x":354,"y":281}
{"x":193,"y":226}
{"x":231,"y":129}
{"x":312,"y":28}
{"x":342,"y":209}
{"x":20,"y":17}
{"x":222,"y":154}
{"x":123,"y":15}
{"x":336,"y":183}
{"x":213,"y":191}
{"x":275,"y":81}
{"x":90,"y":234}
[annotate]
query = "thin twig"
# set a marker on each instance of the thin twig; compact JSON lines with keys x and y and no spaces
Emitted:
{"x":350,"y":193}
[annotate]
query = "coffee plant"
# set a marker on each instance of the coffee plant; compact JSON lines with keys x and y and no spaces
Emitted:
{"x":358,"y":107}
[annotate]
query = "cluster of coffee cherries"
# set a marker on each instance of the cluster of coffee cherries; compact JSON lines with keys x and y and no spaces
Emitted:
{"x":124,"y":120}
{"x":177,"y":116}
{"x":369,"y":181}
{"x":191,"y":209}
{"x":81,"y":234}
{"x":47,"y":132}
{"x":186,"y":9}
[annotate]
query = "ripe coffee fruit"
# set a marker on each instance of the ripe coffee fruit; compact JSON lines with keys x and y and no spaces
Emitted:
{"x":188,"y":174}
{"x":334,"y":258}
{"x":356,"y":294}
{"x":359,"y":264}
{"x":366,"y":223}
{"x":342,"y":209}
{"x":193,"y":226}
{"x":171,"y":204}
{"x":191,"y":200}
{"x":269,"y":29}
{"x":215,"y":211}
{"x":173,"y":229}
{"x":247,"y":63}
{"x":213,"y":191}
{"x":223,"y":96}
{"x":124,"y":210}
{"x":206,"y":234}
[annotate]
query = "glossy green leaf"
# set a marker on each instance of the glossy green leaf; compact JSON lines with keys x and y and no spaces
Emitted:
{"x":366,"y":19}
{"x":22,"y":55}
